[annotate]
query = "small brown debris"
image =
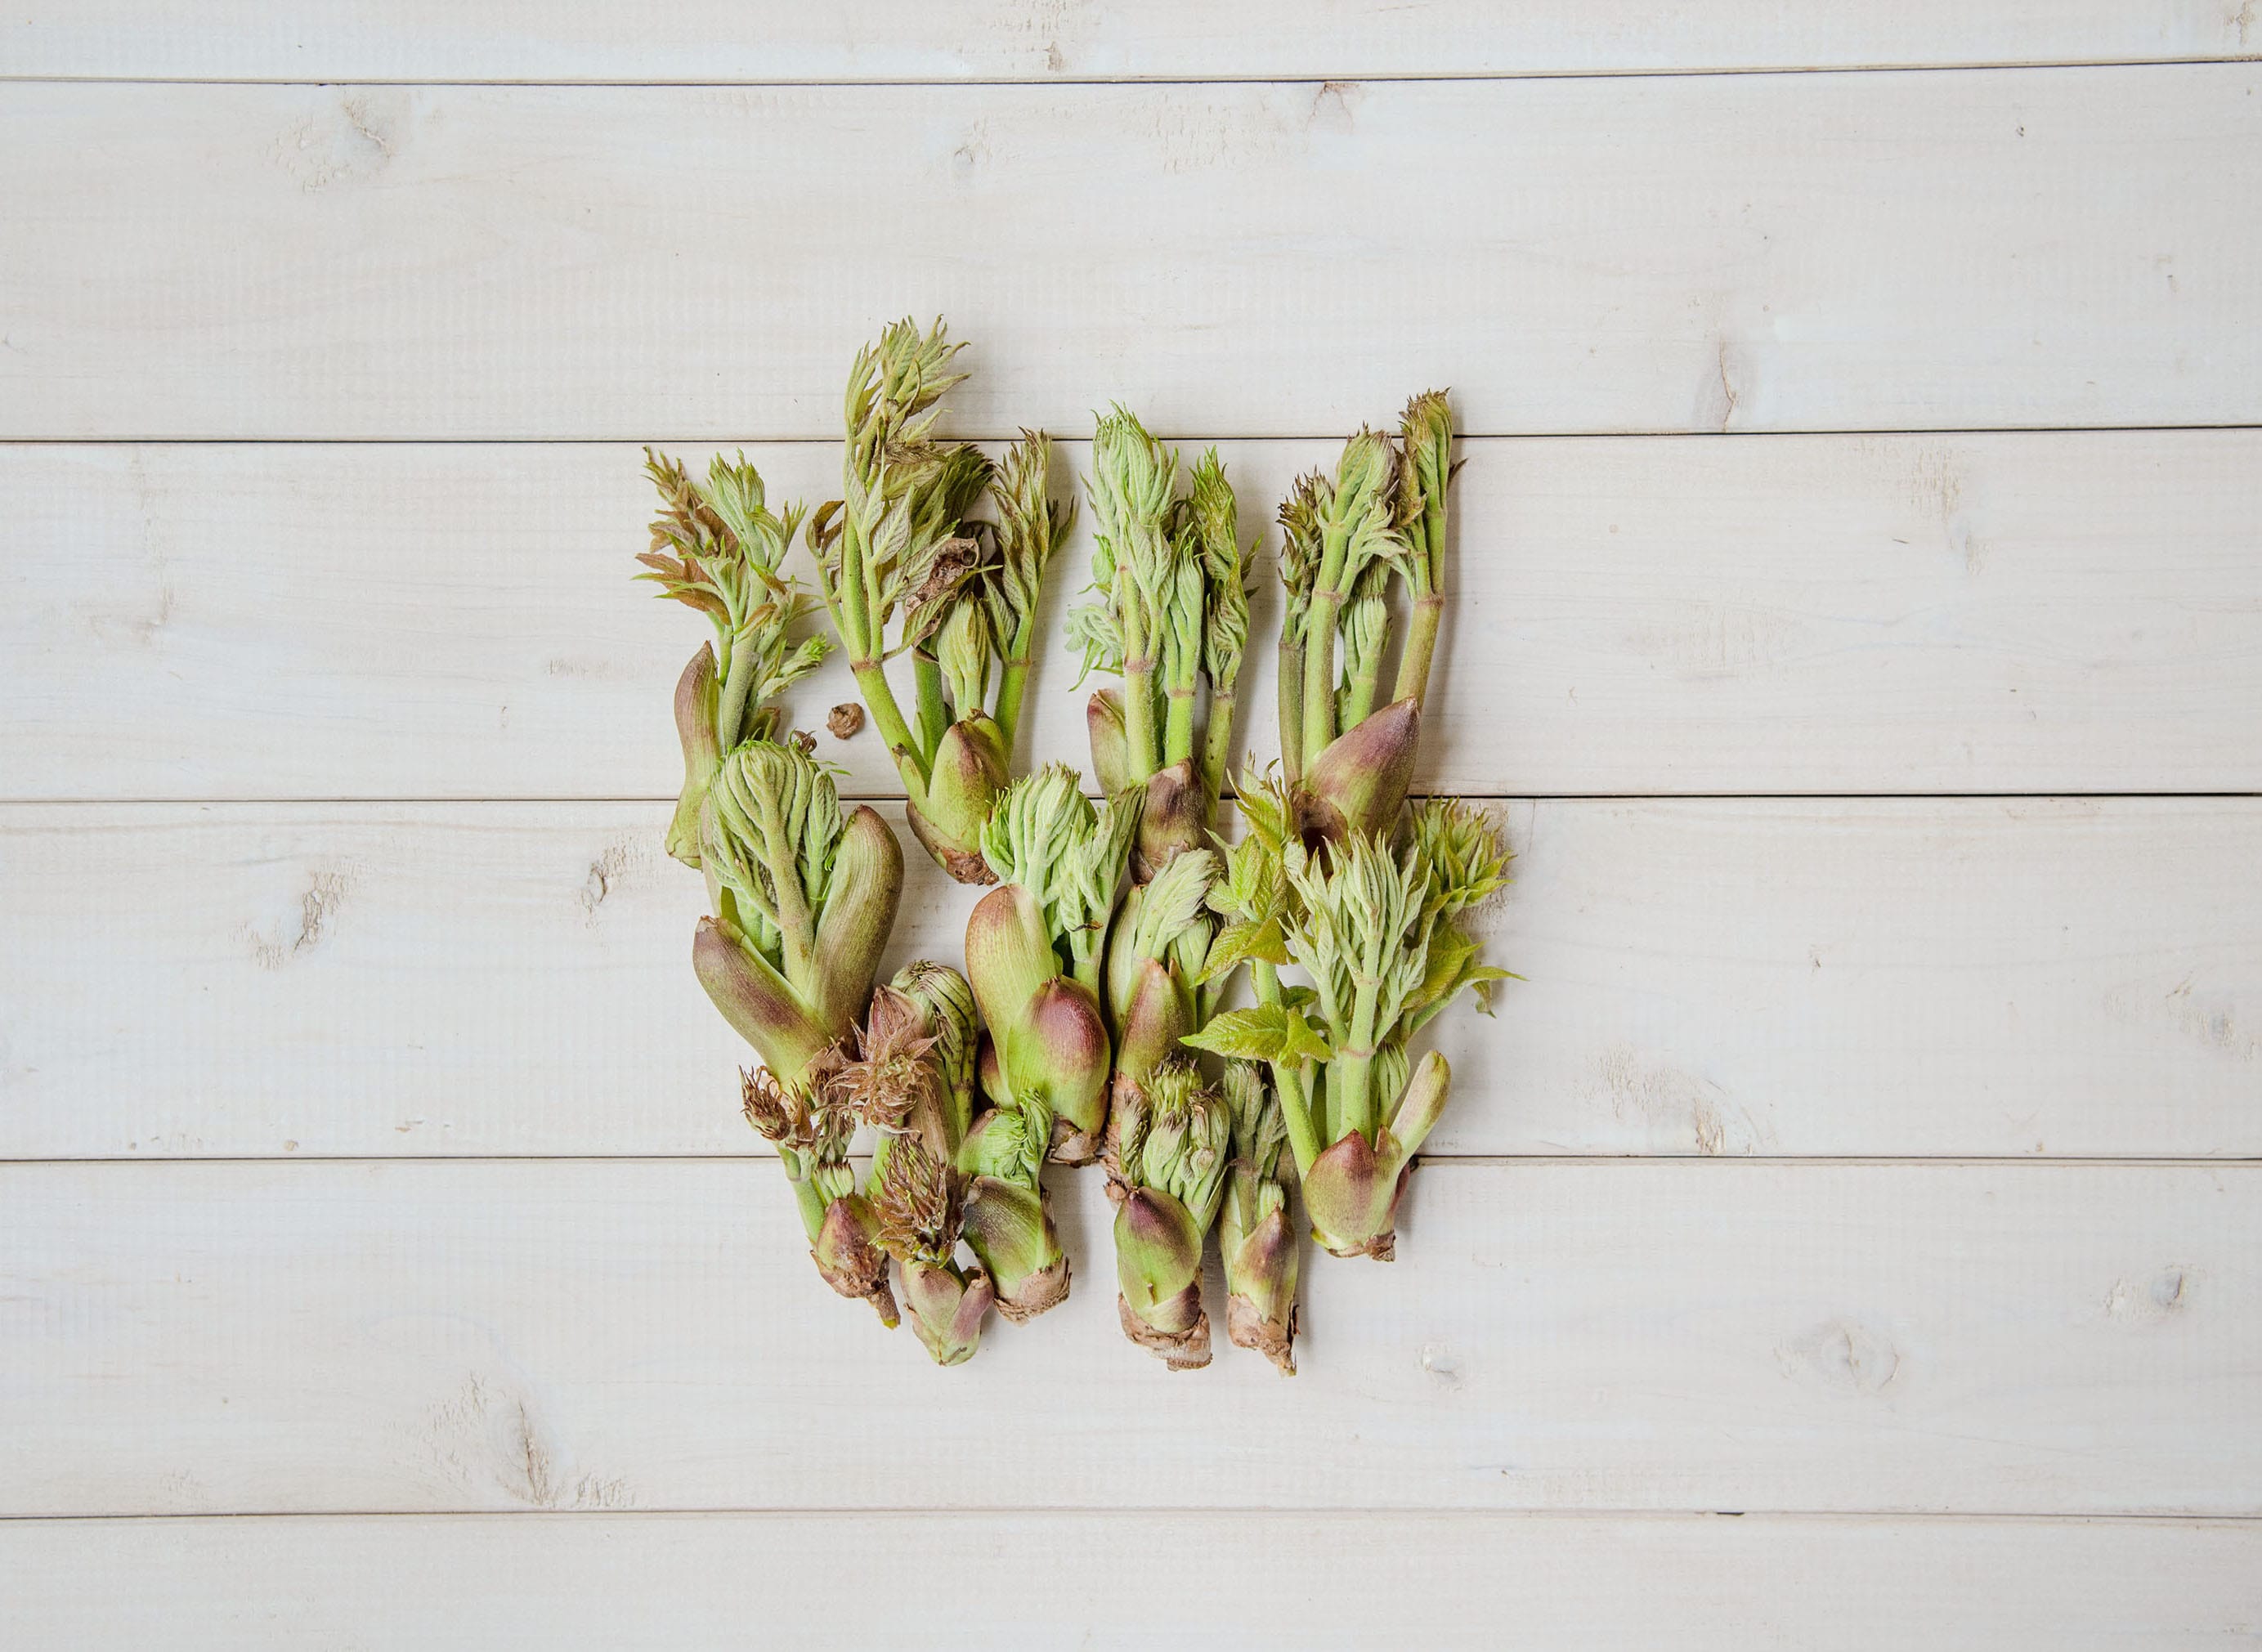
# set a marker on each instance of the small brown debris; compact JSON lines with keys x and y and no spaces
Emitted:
{"x":845,"y":721}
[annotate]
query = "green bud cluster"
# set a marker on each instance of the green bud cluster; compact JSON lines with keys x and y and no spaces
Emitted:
{"x":1377,"y":524}
{"x":1170,"y":616}
{"x":1096,"y":969}
{"x":1168,"y":1162}
{"x":1033,"y":949}
{"x":905,"y":569}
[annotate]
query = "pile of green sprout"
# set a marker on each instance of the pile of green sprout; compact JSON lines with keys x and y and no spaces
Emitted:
{"x":1223,"y":1021}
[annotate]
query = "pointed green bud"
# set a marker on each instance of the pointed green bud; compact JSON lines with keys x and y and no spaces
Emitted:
{"x":947,"y":1007}
{"x":1425,"y":445}
{"x":1259,"y":1131}
{"x":970,"y":769}
{"x":1188,"y":1138}
{"x":1111,"y":751}
{"x":1174,"y":817}
{"x":848,"y":1255}
{"x":1009,"y":1142}
{"x":1010,"y":1226}
{"x":1124,"y":956}
{"x":1359,"y":782}
{"x":1259,"y":1250}
{"x":1352,"y":1195}
{"x":757,"y":1002}
{"x":1421,"y":1107}
{"x":1009,"y":956}
{"x":947,"y":1306}
{"x":1157,"y":1014}
{"x":1133,"y":478}
{"x":1388,"y":1073}
{"x":963,"y":649}
{"x":695,"y":728}
{"x":862,"y":893}
{"x":1158,"y":1258}
{"x":1366,"y":471}
{"x":1058,"y":1050}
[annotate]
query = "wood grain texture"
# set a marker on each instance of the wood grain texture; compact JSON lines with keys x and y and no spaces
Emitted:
{"x":580,"y":1582}
{"x":1999,"y":612}
{"x":711,"y":40}
{"x":1771,"y":978}
{"x":205,"y":1339}
{"x":1898,"y":251}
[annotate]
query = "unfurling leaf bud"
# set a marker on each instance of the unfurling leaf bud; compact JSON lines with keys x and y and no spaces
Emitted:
{"x":1366,"y":472}
{"x":954,"y":1022}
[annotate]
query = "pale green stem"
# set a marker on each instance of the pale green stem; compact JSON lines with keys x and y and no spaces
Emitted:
{"x":731,"y":700}
{"x":806,"y":1199}
{"x":1139,"y":733}
{"x":1013,"y":683}
{"x":1360,"y":699}
{"x":1288,"y":1081}
{"x":1217,"y":742}
{"x":1353,"y":1066}
{"x":1320,"y":642}
{"x":852,"y":618}
{"x":1179,"y":725}
{"x":1289,"y":715}
{"x":797,"y":926}
{"x":888,"y":718}
{"x":933,"y":713}
{"x":1421,"y":643}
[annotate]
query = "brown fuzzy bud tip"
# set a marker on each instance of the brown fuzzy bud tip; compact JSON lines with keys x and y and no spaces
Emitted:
{"x":1072,"y":1146}
{"x":845,"y":721}
{"x":892,"y":1076}
{"x":918,"y":1204}
{"x":1033,"y":1296}
{"x":767,"y":1105}
{"x":1186,"y":1350}
{"x":1248,"y":1328}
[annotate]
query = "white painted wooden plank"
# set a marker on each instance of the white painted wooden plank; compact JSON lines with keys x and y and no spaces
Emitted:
{"x":712,"y":40}
{"x":361,"y":1336}
{"x":2014,"y":612}
{"x":1458,"y":1581}
{"x":1889,"y":251}
{"x":1889,"y":979}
